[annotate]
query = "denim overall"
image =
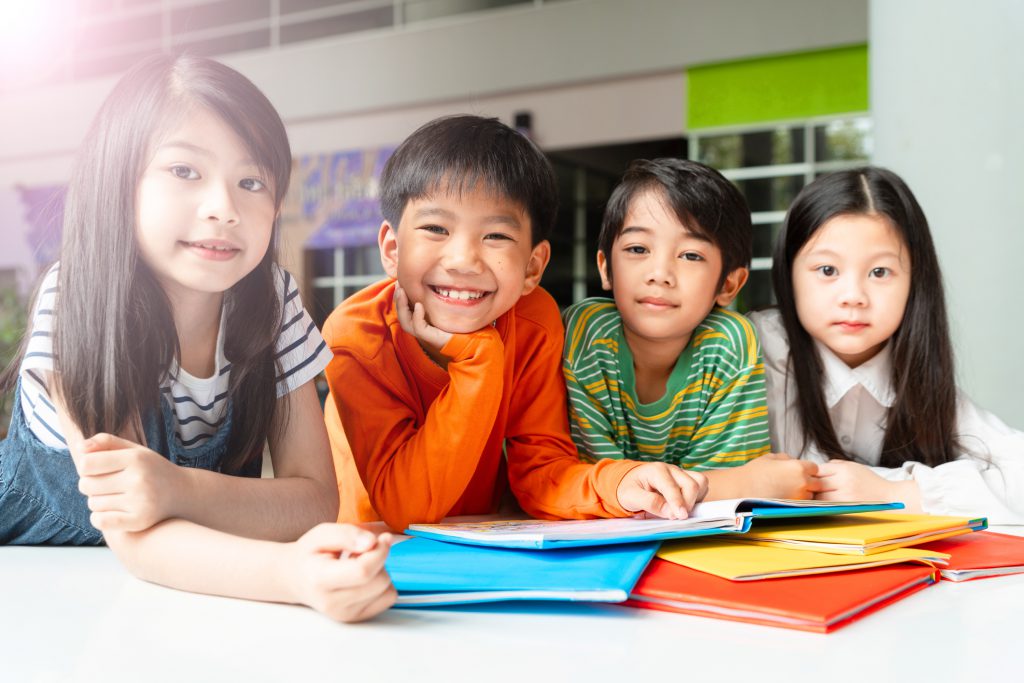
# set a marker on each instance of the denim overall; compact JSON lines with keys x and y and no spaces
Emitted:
{"x":40,"y":503}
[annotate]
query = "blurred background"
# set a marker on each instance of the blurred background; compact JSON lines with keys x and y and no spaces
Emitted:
{"x":771,"y":92}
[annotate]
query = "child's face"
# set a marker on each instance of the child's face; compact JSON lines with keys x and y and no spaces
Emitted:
{"x":665,"y":277}
{"x":851,"y":281}
{"x":468,"y":258}
{"x":203,"y":211}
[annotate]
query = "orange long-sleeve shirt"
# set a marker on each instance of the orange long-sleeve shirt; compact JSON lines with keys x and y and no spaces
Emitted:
{"x":427,"y":444}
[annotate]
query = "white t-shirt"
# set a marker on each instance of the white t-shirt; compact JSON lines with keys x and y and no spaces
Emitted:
{"x":200,"y":404}
{"x":986,"y":480}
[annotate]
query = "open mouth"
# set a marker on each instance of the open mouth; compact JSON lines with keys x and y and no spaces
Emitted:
{"x":465,"y":296}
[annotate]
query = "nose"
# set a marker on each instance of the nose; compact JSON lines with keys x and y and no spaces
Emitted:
{"x":218,"y":205}
{"x":462,"y":255}
{"x":661,"y":272}
{"x":853,"y":293}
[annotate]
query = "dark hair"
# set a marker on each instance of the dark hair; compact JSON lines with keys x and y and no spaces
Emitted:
{"x":114,"y":337}
{"x":454,"y":154}
{"x":702,"y":199}
{"x":920,"y":423}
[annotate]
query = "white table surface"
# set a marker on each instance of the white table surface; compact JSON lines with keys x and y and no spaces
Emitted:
{"x":76,"y":614}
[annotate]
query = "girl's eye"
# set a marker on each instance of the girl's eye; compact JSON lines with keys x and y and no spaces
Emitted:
{"x":827,"y":271}
{"x":691,"y":256}
{"x":184,"y":172}
{"x":635,"y":249}
{"x":880,"y":272}
{"x":251,"y":184}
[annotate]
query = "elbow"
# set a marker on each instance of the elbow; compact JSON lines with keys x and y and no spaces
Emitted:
{"x":127,"y":548}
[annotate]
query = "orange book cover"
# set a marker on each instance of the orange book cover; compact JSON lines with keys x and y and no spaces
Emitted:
{"x":980,"y":555}
{"x":819,"y":603}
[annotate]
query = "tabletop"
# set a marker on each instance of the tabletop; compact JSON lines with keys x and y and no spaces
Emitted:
{"x":76,"y":614}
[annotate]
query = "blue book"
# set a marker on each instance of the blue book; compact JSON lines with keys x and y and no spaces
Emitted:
{"x":716,"y":517}
{"x":430,"y":573}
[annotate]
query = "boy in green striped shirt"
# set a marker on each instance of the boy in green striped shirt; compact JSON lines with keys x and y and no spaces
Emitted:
{"x":663,"y":371}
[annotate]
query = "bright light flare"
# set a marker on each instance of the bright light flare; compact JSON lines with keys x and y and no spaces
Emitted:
{"x":35,"y":39}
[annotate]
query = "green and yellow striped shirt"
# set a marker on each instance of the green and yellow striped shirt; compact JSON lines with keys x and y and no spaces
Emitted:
{"x":714,"y":412}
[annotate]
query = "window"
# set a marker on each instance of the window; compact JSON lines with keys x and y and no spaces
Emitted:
{"x":770,"y":164}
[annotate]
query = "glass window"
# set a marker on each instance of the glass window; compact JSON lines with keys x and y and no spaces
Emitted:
{"x":843,"y":140}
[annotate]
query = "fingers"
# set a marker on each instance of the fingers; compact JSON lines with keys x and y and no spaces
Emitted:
{"x":693,"y":485}
{"x":340,"y":538}
{"x":99,"y":463}
{"x":402,"y":309}
{"x":105,"y":442}
{"x":351,"y":605}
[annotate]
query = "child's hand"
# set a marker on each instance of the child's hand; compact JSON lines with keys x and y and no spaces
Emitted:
{"x":338,"y":569}
{"x":130,"y":487}
{"x":775,"y":475}
{"x":413,"y":319}
{"x":661,"y":490}
{"x":846,"y":480}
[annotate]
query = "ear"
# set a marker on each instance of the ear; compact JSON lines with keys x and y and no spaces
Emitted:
{"x":539,"y":258}
{"x":602,"y":268}
{"x":387,"y":240}
{"x":734,"y":282}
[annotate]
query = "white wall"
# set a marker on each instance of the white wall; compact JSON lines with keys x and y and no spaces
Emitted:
{"x":947,"y":92}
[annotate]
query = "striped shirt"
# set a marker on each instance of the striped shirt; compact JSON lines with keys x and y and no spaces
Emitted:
{"x":714,"y":411}
{"x":200,"y":404}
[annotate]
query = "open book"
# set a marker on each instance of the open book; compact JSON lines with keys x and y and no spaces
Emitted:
{"x":429,"y":574}
{"x":716,"y":517}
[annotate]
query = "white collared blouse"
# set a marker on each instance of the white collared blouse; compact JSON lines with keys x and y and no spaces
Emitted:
{"x":986,"y":480}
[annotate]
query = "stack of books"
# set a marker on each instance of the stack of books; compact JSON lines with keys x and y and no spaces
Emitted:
{"x":806,"y":565}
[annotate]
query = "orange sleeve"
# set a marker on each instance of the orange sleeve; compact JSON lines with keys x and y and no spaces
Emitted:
{"x":417,"y":472}
{"x":545,"y":472}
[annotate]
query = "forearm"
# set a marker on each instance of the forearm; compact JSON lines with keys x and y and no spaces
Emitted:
{"x":269,"y":509}
{"x":179,"y":554}
{"x":725,"y":483}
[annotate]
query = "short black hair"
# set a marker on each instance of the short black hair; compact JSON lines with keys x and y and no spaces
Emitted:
{"x":454,"y":154}
{"x":703,"y":200}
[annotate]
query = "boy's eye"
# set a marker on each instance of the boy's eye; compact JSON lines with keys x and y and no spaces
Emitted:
{"x":827,"y":271}
{"x":251,"y":184}
{"x":497,"y":236}
{"x":880,"y":272}
{"x":635,"y":249}
{"x":184,"y":172}
{"x":433,"y":229}
{"x":691,"y":256}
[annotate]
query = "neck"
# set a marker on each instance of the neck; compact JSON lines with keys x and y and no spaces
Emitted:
{"x":197,"y":321}
{"x":653,"y":362}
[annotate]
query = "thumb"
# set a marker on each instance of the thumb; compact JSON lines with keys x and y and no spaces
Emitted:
{"x":338,"y":538}
{"x":105,"y":442}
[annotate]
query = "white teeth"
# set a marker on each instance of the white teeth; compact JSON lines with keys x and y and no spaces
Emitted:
{"x":211,"y":247}
{"x":461,"y":295}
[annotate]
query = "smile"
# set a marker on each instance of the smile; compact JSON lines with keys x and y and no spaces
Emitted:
{"x":459,"y":295}
{"x":213,"y":250}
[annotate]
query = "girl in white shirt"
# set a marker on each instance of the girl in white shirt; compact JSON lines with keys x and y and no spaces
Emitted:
{"x":859,"y":361}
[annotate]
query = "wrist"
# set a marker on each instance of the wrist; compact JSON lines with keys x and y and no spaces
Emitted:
{"x":908,"y":493}
{"x":723,"y":484}
{"x":180,"y":485}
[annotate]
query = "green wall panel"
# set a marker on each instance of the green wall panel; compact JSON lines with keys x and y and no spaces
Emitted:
{"x":777,"y":88}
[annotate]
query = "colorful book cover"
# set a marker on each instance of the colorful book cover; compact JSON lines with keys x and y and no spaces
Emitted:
{"x":981,"y":555}
{"x":748,"y":562}
{"x":717,"y":517}
{"x":821,"y":603}
{"x":862,"y":534}
{"x":431,"y":573}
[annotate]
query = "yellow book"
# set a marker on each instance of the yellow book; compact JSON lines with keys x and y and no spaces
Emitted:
{"x":861,"y":534}
{"x":748,"y":562}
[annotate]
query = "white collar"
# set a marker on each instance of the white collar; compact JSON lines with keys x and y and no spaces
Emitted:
{"x":874,"y":375}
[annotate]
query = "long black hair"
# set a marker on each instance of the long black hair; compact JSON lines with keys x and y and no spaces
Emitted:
{"x":114,"y":337}
{"x":921,"y":421}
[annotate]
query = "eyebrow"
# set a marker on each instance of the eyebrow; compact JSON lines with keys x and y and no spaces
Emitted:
{"x":501,"y":218}
{"x":648,"y":231}
{"x":836,"y":254}
{"x":182,"y":144}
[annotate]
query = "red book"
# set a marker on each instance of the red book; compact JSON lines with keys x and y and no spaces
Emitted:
{"x":980,"y":555}
{"x":821,"y":602}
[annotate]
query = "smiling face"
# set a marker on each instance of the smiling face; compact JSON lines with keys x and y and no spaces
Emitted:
{"x":204,"y":212}
{"x":851,"y":281}
{"x":666,"y":278}
{"x":468,"y":257}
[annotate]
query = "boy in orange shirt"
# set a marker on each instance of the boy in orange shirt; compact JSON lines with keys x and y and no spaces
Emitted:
{"x":447,"y":374}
